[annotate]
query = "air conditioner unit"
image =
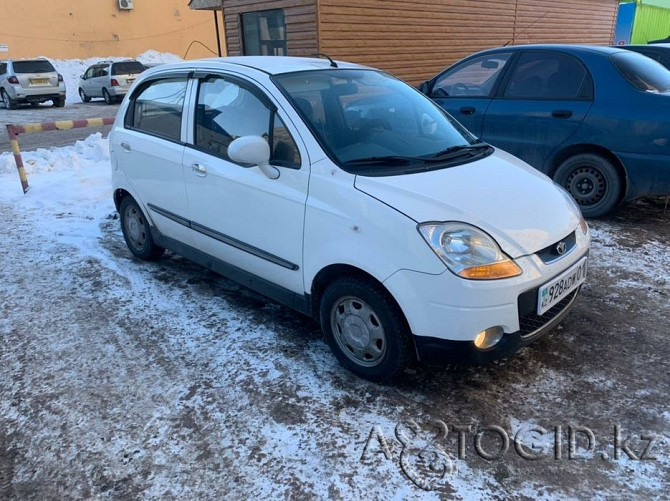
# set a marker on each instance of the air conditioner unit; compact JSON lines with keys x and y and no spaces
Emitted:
{"x":126,"y":4}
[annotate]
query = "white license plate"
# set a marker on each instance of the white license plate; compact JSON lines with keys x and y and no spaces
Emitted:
{"x":129,"y":80}
{"x":39,"y":81}
{"x":554,"y":291}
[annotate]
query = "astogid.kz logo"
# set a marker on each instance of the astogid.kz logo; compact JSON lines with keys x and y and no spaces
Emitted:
{"x":424,"y":460}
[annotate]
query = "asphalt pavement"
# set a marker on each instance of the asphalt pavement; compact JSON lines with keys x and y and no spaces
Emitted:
{"x":47,"y":113}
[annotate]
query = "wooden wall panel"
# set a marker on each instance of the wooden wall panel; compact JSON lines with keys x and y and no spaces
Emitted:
{"x":416,"y":39}
{"x":300,"y":18}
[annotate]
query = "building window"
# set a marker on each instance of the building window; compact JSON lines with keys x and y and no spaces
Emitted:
{"x":264,"y":33}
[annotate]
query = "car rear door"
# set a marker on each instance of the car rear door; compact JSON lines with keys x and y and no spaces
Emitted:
{"x":149,"y":148}
{"x":540,"y":104}
{"x":238,"y":214}
{"x":465,"y":90}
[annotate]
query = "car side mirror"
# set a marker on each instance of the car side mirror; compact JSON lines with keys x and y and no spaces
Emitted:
{"x":255,"y":151}
{"x":83,"y":77}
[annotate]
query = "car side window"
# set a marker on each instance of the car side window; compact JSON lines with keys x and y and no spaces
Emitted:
{"x":89,"y":72}
{"x":157,"y":108}
{"x":548,"y":75}
{"x":3,"y":68}
{"x":226,"y":110}
{"x":474,"y":78}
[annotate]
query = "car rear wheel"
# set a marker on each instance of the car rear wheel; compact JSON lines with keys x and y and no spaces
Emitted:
{"x":593,"y":181}
{"x":365,"y":329}
{"x":8,"y":103}
{"x":83,"y":96}
{"x":59,"y":102}
{"x":136,"y":231}
{"x":107,"y":97}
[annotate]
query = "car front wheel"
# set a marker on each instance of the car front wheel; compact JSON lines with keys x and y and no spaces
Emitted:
{"x":365,"y":329}
{"x":593,"y":181}
{"x":136,"y":231}
{"x":83,"y":96}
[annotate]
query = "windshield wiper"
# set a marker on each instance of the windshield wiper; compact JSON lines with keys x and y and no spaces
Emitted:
{"x":457,"y":151}
{"x":388,"y":160}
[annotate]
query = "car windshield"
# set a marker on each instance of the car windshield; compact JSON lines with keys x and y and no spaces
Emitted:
{"x":372,"y":123}
{"x":642,"y":72}
{"x":127,"y":68}
{"x":33,"y":67}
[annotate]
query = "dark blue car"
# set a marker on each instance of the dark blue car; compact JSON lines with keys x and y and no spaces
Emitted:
{"x":595,"y":119}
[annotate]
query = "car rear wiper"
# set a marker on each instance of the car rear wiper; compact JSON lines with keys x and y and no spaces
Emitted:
{"x":457,"y":151}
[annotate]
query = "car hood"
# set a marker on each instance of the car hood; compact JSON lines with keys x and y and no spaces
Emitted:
{"x":518,"y":206}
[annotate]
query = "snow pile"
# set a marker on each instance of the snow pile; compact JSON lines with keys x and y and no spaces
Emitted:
{"x":72,"y":69}
{"x":79,"y":173}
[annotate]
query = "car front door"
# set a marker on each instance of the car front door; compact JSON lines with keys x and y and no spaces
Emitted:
{"x":465,"y":90}
{"x":543,"y":100}
{"x":238,"y":214}
{"x":150,"y":148}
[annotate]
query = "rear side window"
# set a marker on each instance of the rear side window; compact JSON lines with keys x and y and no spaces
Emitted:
{"x":157,"y":108}
{"x":33,"y":67}
{"x":548,"y":75}
{"x":3,"y":68}
{"x":127,"y":68}
{"x":641,"y":72}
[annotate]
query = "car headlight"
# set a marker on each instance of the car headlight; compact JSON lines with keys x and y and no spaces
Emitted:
{"x":468,"y":251}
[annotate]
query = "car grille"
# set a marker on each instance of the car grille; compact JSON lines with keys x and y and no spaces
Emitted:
{"x":550,"y":253}
{"x":529,"y":321}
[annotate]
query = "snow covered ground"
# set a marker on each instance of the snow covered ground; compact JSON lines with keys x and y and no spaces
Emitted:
{"x":120,"y":378}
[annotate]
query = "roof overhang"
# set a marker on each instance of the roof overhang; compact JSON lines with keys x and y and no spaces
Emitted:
{"x":205,"y":4}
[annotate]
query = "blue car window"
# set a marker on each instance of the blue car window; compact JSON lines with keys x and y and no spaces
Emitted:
{"x":547,"y":75}
{"x":641,"y":72}
{"x":474,"y":78}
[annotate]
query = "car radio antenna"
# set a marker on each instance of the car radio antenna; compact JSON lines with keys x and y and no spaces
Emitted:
{"x":514,"y":35}
{"x":321,"y":54}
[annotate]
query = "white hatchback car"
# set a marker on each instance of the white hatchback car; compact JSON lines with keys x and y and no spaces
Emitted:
{"x":344,"y":193}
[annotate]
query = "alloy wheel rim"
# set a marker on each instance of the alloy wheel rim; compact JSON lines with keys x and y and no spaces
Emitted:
{"x":358,"y":331}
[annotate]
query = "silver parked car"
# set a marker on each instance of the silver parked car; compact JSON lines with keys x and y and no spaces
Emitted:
{"x":109,"y":80}
{"x":30,"y":81}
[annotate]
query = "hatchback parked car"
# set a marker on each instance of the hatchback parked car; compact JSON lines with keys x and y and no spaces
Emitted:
{"x":658,"y":52}
{"x":31,"y":81}
{"x":344,"y":193}
{"x":595,"y":119}
{"x":109,"y":80}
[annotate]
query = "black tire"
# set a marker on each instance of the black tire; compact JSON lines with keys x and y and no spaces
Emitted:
{"x":136,"y":231}
{"x":83,"y":96}
{"x":9,"y":104}
{"x":365,"y":329}
{"x":59,"y":102}
{"x":107,"y":97}
{"x":593,"y":181}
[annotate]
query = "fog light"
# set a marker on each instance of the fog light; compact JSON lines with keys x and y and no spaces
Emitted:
{"x":488,"y":338}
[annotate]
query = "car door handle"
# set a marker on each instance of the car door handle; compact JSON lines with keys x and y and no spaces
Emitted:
{"x":468,"y":110}
{"x":200,"y":170}
{"x":561,"y":113}
{"x":126,"y":147}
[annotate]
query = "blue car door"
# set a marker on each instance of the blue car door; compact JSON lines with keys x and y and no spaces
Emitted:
{"x":465,"y":90}
{"x":543,"y":101}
